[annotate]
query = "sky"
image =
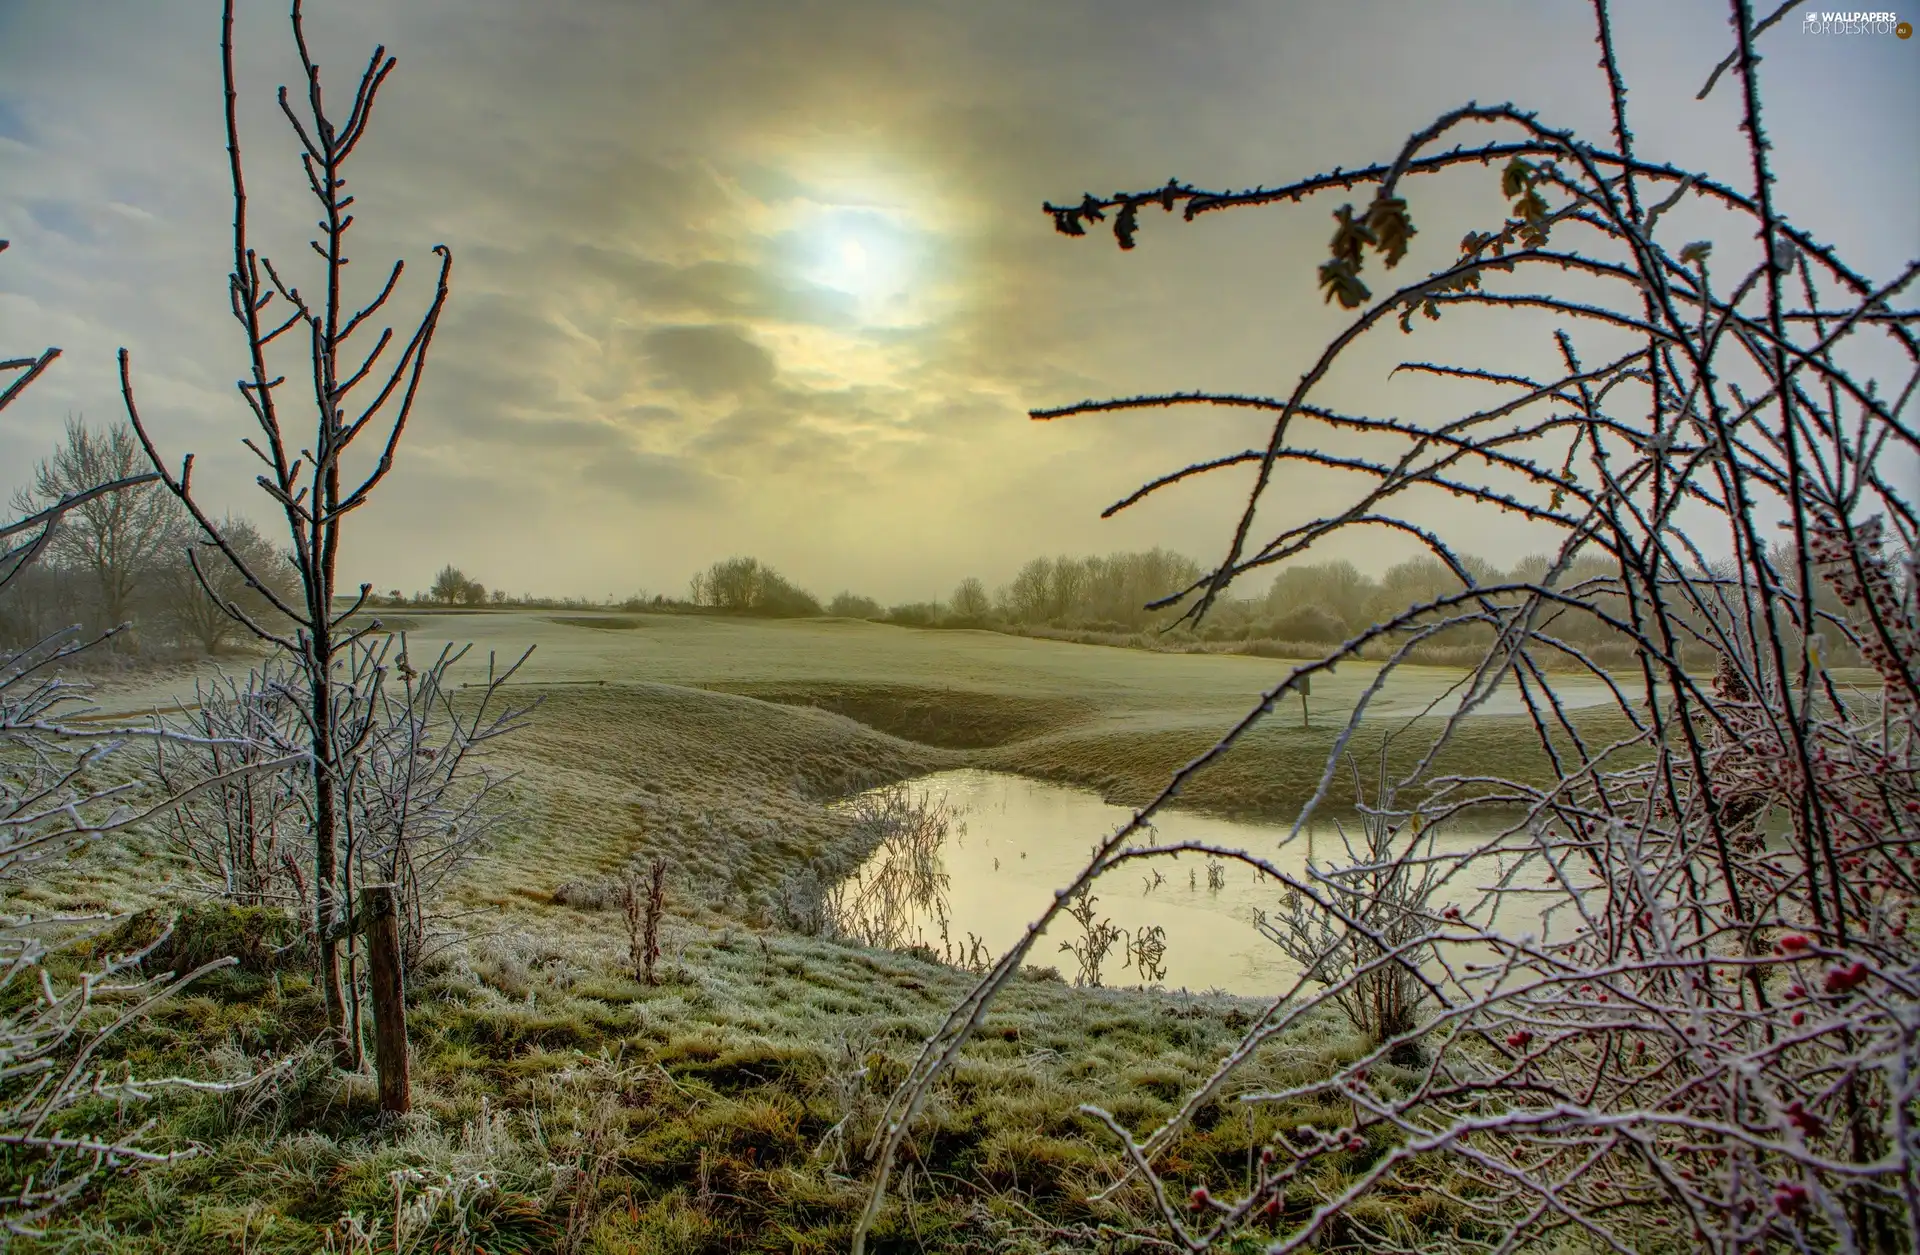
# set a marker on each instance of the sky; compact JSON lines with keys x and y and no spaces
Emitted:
{"x":771,"y":276}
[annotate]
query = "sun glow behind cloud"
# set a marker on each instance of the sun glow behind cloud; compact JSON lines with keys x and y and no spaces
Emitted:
{"x":873,"y":253}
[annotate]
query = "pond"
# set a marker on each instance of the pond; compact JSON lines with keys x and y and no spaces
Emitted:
{"x":1014,"y":841}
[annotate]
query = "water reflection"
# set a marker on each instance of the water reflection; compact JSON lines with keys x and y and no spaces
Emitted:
{"x":1009,"y":843}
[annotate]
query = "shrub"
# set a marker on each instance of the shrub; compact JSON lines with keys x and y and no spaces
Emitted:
{"x":260,"y":939}
{"x":854,"y":606}
{"x":1308,"y":623}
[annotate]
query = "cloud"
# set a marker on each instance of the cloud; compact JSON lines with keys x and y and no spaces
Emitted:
{"x":707,"y":361}
{"x":649,"y":479}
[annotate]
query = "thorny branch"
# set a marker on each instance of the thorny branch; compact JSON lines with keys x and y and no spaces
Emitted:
{"x":1677,"y":1006}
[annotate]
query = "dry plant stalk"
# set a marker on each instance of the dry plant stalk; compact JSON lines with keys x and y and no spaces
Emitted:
{"x":1147,"y":954}
{"x":905,"y":881}
{"x":1097,"y":937}
{"x":643,"y":907}
{"x":1716,"y":1050}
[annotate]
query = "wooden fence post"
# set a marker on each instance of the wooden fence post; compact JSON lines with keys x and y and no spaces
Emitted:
{"x":380,"y":916}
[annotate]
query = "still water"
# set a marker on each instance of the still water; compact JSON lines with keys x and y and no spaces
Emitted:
{"x":1018,"y":840}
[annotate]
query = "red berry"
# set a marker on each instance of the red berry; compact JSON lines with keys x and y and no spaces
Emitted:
{"x":1518,"y":1040}
{"x":1794,"y":942}
{"x":1841,"y":979}
{"x":1200,"y":1197}
{"x":1800,"y":1118}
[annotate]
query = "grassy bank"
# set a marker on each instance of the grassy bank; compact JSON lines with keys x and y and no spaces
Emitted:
{"x":697,"y":1115}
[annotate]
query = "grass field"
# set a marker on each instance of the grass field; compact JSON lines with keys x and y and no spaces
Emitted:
{"x":1119,"y":720}
{"x":695,"y":1116}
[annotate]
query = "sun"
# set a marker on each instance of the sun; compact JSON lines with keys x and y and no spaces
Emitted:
{"x":869,"y":258}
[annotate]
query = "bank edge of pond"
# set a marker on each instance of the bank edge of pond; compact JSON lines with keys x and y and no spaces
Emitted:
{"x":1275,"y":770}
{"x":1129,"y":755}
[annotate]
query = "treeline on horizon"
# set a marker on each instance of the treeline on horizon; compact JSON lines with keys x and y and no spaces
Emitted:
{"x":122,"y":559}
{"x":1306,"y":607}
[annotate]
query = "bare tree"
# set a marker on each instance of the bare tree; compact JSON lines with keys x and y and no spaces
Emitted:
{"x":970,"y":600}
{"x":749,"y":586}
{"x":422,"y":799}
{"x":356,"y":395}
{"x":1116,"y":588}
{"x":1716,"y":1048}
{"x":194,"y":595}
{"x":120,"y":540}
{"x":245,"y":832}
{"x":730,"y":584}
{"x":1025,"y":600}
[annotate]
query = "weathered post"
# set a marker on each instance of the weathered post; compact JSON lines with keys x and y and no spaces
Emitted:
{"x":380,"y":916}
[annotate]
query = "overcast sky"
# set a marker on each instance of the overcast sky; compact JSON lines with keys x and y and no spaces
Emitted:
{"x":771,"y":276}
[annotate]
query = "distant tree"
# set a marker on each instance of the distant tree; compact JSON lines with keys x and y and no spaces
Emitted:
{"x":1025,"y":600}
{"x":1120,"y":586}
{"x":119,"y":540}
{"x":40,"y":602}
{"x":748,"y":586}
{"x":970,"y":600}
{"x":1066,"y":587}
{"x":449,"y":586}
{"x":1113,"y":589}
{"x":193,"y":603}
{"x":474,"y":594}
{"x":729,"y":584}
{"x":1340,"y":588}
{"x":853,"y":606}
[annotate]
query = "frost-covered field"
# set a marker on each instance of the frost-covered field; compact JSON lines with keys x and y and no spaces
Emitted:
{"x":717,"y":744}
{"x":702,"y":651}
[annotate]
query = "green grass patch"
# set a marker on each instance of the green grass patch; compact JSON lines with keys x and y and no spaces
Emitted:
{"x":605,"y":622}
